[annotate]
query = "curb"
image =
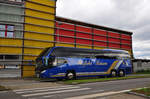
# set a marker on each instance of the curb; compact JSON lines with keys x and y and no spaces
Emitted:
{"x":138,"y":94}
{"x":76,"y":83}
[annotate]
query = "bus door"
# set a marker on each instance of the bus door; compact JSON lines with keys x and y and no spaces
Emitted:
{"x":59,"y":63}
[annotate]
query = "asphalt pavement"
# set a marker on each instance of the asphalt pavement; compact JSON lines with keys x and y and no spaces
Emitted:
{"x":98,"y":90}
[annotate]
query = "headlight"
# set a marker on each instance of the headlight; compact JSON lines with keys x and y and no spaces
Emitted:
{"x":43,"y":71}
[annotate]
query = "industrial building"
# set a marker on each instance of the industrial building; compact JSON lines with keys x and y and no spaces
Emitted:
{"x":29,"y":26}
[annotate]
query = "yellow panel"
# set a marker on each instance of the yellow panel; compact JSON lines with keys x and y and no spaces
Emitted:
{"x":38,"y":29}
{"x":32,"y":51}
{"x":29,"y":68}
{"x":39,"y":14}
{"x":16,"y":42}
{"x":29,"y":62}
{"x":65,"y":45}
{"x":99,"y":48}
{"x":10,"y":50}
{"x":28,"y":73}
{"x":39,"y":36}
{"x":45,"y":2}
{"x":40,"y":7}
{"x":39,"y":21}
{"x":37,"y":44}
{"x":81,"y":46}
{"x":29,"y":57}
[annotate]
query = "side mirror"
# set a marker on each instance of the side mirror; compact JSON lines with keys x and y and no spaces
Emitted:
{"x":46,"y":61}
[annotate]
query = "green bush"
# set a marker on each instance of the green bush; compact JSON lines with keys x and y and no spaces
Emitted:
{"x":143,"y":72}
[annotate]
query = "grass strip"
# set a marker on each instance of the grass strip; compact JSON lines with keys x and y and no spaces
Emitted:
{"x":143,"y":72}
{"x":2,"y":88}
{"x":80,"y":81}
{"x":145,"y":91}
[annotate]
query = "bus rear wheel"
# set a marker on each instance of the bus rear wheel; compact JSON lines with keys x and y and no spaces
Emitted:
{"x":70,"y":75}
{"x":121,"y":73}
{"x":113,"y":73}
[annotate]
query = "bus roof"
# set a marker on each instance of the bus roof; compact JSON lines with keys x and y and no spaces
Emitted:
{"x":105,"y":50}
{"x":69,"y":51}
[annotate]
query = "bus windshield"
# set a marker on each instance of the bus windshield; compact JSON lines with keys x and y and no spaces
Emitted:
{"x":45,"y":52}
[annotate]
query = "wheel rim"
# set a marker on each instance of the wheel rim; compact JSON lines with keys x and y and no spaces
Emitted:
{"x":121,"y":73}
{"x":70,"y":75}
{"x":113,"y":73}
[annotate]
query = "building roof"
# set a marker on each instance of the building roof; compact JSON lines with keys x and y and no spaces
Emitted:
{"x":142,"y":60}
{"x":62,"y":19}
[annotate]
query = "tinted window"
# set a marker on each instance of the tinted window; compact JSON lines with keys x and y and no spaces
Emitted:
{"x":11,"y":57}
{"x":70,"y":52}
{"x":1,"y":56}
{"x":45,"y":52}
{"x":106,"y":57}
{"x":77,"y":52}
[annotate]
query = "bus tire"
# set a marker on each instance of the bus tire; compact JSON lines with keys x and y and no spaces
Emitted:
{"x":113,"y":73}
{"x":70,"y":75}
{"x":121,"y":73}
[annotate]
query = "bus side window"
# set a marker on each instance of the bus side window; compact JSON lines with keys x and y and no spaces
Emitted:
{"x":61,"y":61}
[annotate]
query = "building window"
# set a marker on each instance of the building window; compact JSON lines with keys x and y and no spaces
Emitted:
{"x":11,"y":57}
{"x":6,"y":31}
{"x":15,"y":0}
{"x":1,"y":56}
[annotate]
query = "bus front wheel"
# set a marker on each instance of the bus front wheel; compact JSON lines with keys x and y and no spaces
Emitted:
{"x":70,"y":75}
{"x":113,"y":73}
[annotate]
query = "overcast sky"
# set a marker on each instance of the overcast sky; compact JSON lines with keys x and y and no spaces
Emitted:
{"x":130,"y":15}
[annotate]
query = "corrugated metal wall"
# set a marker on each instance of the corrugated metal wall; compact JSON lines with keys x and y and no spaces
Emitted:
{"x":39,"y":31}
{"x":80,"y":36}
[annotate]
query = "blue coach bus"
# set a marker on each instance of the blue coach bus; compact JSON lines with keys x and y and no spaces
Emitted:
{"x":70,"y":63}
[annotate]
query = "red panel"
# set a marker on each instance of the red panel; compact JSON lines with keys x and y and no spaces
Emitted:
{"x":113,"y":45}
{"x":103,"y":38}
{"x":64,"y":39}
{"x":114,"y":40}
{"x":126,"y":46}
{"x":64,"y":32}
{"x":117,"y":35}
{"x":101,"y":32}
{"x":84,"y":29}
{"x":65,"y":25}
{"x":82,"y":41}
{"x":126,"y":41}
{"x":97,"y":43}
{"x":83,"y":35}
{"x":126,"y":36}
